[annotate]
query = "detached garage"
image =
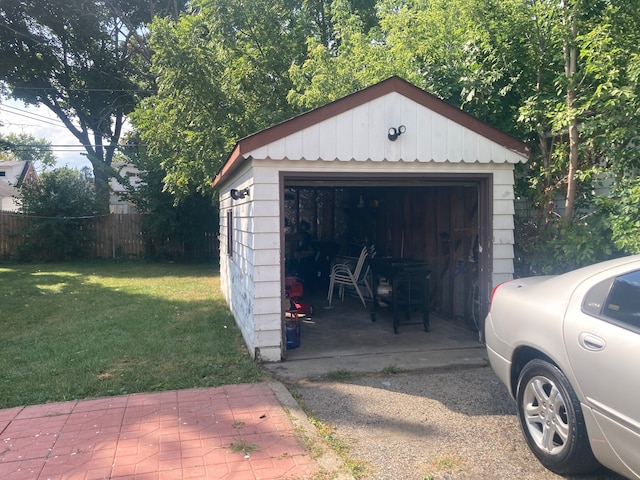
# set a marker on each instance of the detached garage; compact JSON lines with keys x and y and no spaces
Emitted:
{"x":391,"y":167}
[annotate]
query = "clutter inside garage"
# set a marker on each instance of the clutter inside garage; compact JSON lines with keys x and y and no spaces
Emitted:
{"x":434,"y":225}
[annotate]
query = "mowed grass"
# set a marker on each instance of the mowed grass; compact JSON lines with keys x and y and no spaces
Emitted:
{"x":73,"y":331}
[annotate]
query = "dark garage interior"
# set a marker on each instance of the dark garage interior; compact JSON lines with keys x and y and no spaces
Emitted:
{"x":437,"y":221}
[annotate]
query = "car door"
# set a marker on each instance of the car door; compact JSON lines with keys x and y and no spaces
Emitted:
{"x":602,"y":337}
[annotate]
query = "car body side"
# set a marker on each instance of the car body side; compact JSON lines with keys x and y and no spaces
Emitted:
{"x":531,"y":313}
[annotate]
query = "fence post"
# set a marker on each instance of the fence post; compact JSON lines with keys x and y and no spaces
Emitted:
{"x":113,"y":237}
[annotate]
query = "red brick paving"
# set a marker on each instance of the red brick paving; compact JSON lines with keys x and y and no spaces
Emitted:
{"x":185,"y":434}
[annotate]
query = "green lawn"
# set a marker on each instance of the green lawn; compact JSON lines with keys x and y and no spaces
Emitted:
{"x":71,"y":331}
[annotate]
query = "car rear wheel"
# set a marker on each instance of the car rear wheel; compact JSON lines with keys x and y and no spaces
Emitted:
{"x":552,"y":420}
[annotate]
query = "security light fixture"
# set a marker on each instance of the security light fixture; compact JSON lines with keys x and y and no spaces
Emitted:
{"x":394,"y":132}
{"x":239,"y":194}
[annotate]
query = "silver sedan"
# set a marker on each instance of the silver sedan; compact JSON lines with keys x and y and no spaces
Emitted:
{"x":568,"y":349}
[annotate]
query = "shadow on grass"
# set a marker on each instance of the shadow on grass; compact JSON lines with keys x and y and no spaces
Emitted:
{"x":116,"y":268}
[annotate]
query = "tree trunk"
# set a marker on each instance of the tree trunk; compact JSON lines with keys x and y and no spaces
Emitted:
{"x":570,"y":54}
{"x":569,"y":205}
{"x":98,"y":154}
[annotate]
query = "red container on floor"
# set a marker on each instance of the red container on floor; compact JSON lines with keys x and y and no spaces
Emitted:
{"x":295,"y":290}
{"x":294,"y":287}
{"x":303,"y":308}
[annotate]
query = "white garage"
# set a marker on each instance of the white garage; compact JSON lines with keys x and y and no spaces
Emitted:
{"x":390,"y":166}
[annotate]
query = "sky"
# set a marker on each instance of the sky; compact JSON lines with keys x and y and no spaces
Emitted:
{"x":40,"y":122}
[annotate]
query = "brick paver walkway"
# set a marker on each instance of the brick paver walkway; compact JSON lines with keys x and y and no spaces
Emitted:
{"x":235,"y":432}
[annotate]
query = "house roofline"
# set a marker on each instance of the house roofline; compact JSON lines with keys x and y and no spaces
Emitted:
{"x":28,"y":167}
{"x":392,"y":84}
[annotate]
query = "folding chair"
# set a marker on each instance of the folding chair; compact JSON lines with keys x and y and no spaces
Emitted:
{"x":344,"y":274}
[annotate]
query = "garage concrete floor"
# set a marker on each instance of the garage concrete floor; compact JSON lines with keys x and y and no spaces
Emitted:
{"x":343,"y":338}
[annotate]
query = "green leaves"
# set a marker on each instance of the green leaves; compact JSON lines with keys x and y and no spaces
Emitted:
{"x":86,"y":61}
{"x":222,"y":74}
{"x":62,"y":192}
{"x":625,"y":216}
{"x":557,"y":247}
{"x":227,"y":69}
{"x":26,"y":147}
{"x":55,"y":202}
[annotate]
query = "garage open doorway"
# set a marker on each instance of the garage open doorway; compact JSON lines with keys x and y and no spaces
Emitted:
{"x":435,"y":220}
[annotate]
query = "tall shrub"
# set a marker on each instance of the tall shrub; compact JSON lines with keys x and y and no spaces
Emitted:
{"x":625,"y":215}
{"x":59,"y":205}
{"x":556,"y":247}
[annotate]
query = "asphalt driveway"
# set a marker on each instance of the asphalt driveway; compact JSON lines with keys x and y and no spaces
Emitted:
{"x":431,"y":424}
{"x":444,"y":416}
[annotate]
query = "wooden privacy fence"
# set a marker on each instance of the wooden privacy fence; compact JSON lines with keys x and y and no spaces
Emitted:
{"x":113,"y":236}
{"x":118,"y":235}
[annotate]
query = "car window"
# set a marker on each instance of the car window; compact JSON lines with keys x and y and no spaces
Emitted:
{"x":596,"y":297}
{"x":616,"y":299}
{"x":623,"y":301}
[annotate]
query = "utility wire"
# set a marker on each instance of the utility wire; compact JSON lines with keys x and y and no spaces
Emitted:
{"x":110,"y":90}
{"x":56,"y":122}
{"x":19,"y":111}
{"x":34,"y":119}
{"x":79,"y":145}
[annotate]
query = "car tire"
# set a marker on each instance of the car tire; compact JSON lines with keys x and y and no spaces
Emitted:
{"x":552,"y":421}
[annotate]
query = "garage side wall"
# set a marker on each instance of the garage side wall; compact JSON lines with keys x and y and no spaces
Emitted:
{"x":250,"y":273}
{"x":237,"y":254}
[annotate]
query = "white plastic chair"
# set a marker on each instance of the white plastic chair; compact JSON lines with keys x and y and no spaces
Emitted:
{"x":343,"y":274}
{"x":366,"y":276}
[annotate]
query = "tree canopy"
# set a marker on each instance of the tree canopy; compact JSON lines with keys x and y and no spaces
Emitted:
{"x":26,"y":147}
{"x":537,"y":69}
{"x":563,"y":76}
{"x":62,"y":192}
{"x":222,"y":73}
{"x":87,"y":61}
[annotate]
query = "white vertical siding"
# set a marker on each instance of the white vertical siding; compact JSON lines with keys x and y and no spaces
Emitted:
{"x":503,"y":211}
{"x":469,"y":146}
{"x":377,"y":127}
{"x":349,"y":127}
{"x":359,"y":118}
{"x":424,"y":125}
{"x":438,"y":138}
{"x":455,"y":140}
{"x":361,"y":134}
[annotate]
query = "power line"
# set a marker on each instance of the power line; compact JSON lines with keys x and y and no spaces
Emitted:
{"x":55,"y":122}
{"x":109,"y":90}
{"x":19,"y":111}
{"x":34,"y":119}
{"x":122,"y":145}
{"x":26,"y":114}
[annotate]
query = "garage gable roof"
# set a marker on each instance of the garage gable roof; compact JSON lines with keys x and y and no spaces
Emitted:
{"x":355,"y":128}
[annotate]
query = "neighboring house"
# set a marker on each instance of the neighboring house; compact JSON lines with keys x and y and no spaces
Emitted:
{"x":117,"y":202}
{"x":14,"y":174}
{"x":390,"y":165}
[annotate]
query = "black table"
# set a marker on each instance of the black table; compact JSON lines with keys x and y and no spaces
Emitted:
{"x":409,"y":281}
